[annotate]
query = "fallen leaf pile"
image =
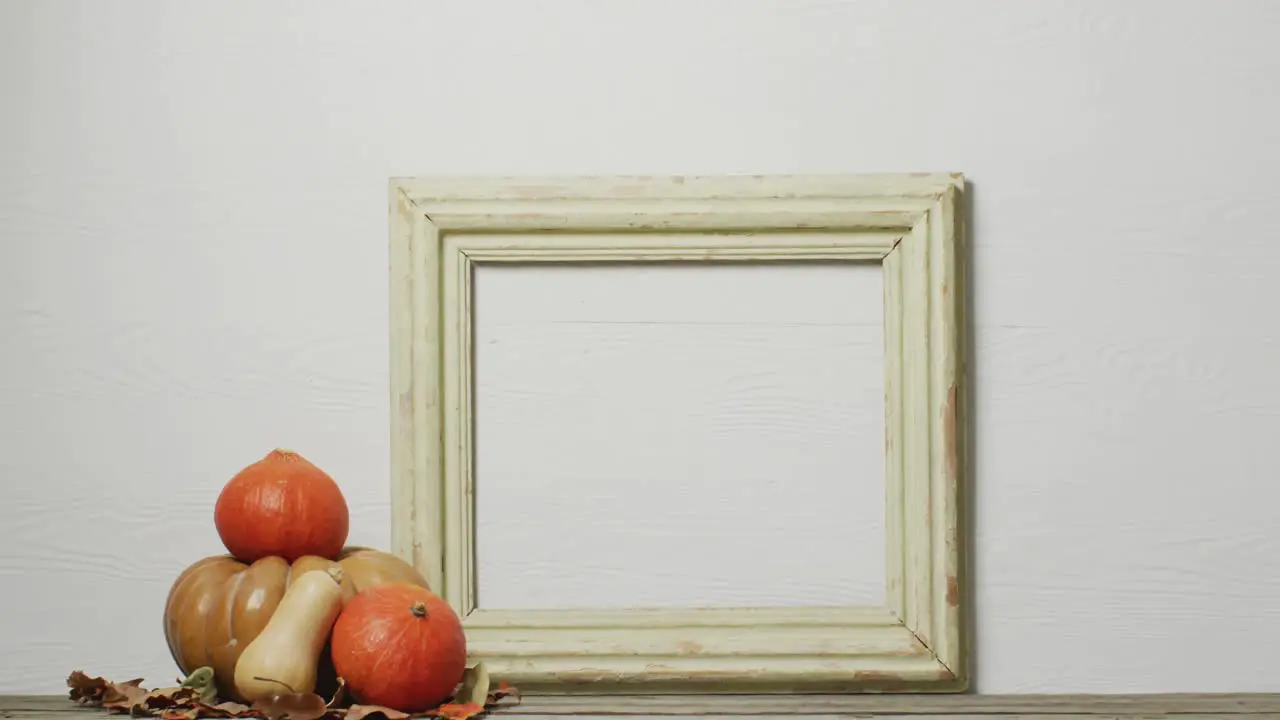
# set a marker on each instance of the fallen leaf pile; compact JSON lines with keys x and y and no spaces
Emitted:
{"x":194,"y":698}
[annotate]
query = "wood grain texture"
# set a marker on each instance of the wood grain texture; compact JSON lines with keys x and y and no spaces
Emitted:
{"x":506,"y":220}
{"x":825,"y":707}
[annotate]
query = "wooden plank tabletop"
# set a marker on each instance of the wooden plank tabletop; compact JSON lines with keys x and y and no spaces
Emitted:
{"x":817,"y":707}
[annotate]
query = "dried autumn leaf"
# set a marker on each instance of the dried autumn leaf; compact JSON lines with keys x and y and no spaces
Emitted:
{"x":169,"y":697}
{"x":123,"y":697}
{"x":96,"y":690}
{"x":225,"y":710}
{"x":457,"y":711}
{"x":85,"y":688}
{"x":356,"y":712}
{"x":181,"y":702}
{"x":475,"y":686}
{"x":294,"y":706}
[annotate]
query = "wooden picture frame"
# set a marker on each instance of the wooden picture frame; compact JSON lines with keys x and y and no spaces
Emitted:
{"x":440,"y":228}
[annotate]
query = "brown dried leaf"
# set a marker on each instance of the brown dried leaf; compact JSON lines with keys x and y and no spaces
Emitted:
{"x":169,"y":697}
{"x":225,"y":710}
{"x":96,"y":690}
{"x":188,"y":701}
{"x":457,"y":711}
{"x":85,"y":688}
{"x":294,"y":706}
{"x":124,"y":697}
{"x":191,"y":700}
{"x":356,"y":712}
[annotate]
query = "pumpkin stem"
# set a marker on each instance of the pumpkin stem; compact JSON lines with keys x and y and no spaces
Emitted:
{"x":419,"y":609}
{"x":278,"y":682}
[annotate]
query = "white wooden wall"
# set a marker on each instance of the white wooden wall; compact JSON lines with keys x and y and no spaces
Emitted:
{"x":193,"y":270}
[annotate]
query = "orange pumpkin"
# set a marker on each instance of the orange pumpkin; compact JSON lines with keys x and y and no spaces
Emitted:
{"x":401,"y":646}
{"x":218,"y":605}
{"x":281,"y":505}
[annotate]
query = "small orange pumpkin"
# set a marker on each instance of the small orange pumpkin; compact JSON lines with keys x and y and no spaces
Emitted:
{"x":218,"y":605}
{"x":281,"y":505}
{"x":401,"y":646}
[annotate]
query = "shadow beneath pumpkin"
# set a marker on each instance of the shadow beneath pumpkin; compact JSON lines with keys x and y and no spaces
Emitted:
{"x":326,"y":676}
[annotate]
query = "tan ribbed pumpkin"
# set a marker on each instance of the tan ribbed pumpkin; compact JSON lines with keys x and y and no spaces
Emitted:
{"x":218,"y":605}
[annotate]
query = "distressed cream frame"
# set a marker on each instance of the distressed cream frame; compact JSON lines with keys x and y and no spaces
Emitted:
{"x":441,"y":228}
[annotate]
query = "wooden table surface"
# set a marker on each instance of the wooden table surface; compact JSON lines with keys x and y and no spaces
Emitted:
{"x":827,"y":707}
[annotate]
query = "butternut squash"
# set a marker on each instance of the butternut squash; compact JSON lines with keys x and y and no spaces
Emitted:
{"x":283,"y":658}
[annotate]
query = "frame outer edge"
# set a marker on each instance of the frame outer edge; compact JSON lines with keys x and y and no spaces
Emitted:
{"x":419,"y":465}
{"x":946,"y":381}
{"x":964,"y":432}
{"x":430,"y":190}
{"x":415,"y":411}
{"x":400,"y":278}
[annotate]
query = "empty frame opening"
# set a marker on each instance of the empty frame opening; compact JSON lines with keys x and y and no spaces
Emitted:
{"x":679,"y":435}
